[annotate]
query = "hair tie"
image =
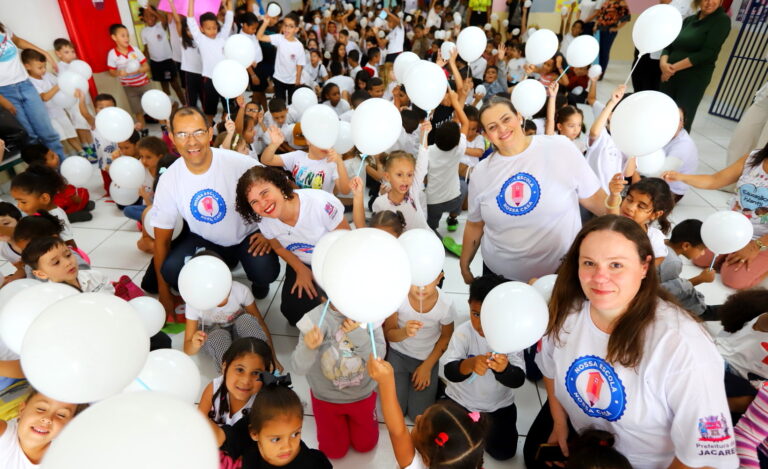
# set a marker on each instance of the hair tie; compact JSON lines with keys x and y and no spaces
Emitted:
{"x":602,"y":443}
{"x":475,"y":416}
{"x":441,"y":439}
{"x":270,"y":379}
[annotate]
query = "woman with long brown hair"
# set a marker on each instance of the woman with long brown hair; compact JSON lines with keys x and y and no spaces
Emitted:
{"x":620,"y":356}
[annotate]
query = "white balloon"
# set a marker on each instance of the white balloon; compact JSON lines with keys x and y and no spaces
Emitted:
{"x":577,"y":91}
{"x":356,"y":258}
{"x":447,"y":49}
{"x":652,"y":164}
{"x":582,"y":51}
{"x":18,"y":313}
{"x":595,"y":71}
{"x":230,"y":78}
{"x":376,"y":125}
{"x":320,"y":126}
{"x":514,"y":316}
{"x":656,"y":28}
{"x":516,"y":31}
{"x":505,"y":23}
{"x":672,"y":163}
{"x":70,"y":81}
{"x":544,"y":285}
{"x":127,"y":172}
{"x":529,"y":97}
{"x":480,"y":90}
{"x":171,"y":372}
{"x":321,"y":251}
{"x":303,"y":98}
{"x":10,"y":289}
{"x":644,"y":122}
{"x":487,"y":26}
{"x":151,"y":312}
{"x":77,"y":170}
{"x":344,"y":141}
{"x":527,"y":4}
{"x":204,"y":282}
{"x":426,"y":254}
{"x":541,"y":46}
{"x":471,"y":43}
{"x":363,"y":21}
{"x":81,"y":68}
{"x":123,"y":195}
{"x":241,"y":49}
{"x":494,"y":16}
{"x":132,"y":66}
{"x":726,"y":231}
{"x":403,"y":62}
{"x":439,"y":34}
{"x":457,"y":18}
{"x":150,"y":229}
{"x":426,"y":85}
{"x":381,"y":34}
{"x":147,"y":430}
{"x":157,"y":104}
{"x":114,"y":124}
{"x":84,"y":348}
{"x":63,"y":100}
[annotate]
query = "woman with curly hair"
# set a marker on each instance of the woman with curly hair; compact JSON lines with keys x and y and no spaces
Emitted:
{"x":292,"y":221}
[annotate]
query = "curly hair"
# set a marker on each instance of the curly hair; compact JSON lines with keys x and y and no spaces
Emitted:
{"x":742,"y":307}
{"x":254,"y":175}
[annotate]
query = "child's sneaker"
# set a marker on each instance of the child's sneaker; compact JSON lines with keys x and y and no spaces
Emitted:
{"x":452,"y":246}
{"x":126,"y":289}
{"x":453,"y":223}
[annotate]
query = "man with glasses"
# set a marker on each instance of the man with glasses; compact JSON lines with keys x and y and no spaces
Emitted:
{"x":200,"y":187}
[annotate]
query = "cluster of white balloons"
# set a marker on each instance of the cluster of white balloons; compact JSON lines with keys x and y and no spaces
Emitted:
{"x":425,"y":82}
{"x":74,"y":78}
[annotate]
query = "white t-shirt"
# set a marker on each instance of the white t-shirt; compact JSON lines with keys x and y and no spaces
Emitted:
{"x":59,"y":213}
{"x":422,"y":344}
{"x":175,"y":40}
{"x":205,"y":201}
{"x":312,"y":75}
{"x":567,"y":38}
{"x":341,"y":107}
{"x":93,"y":281}
{"x":417,"y":463}
{"x":190,"y":60}
{"x":211,"y":50}
{"x":259,"y":54}
{"x":605,"y":159}
{"x":395,"y":40}
{"x":478,"y":68}
{"x":228,"y":418}
{"x":530,"y":205}
{"x":239,"y":297}
{"x":13,"y":70}
{"x":483,"y":393}
{"x":478,"y":143}
{"x":344,"y":83}
{"x":443,"y":172}
{"x":104,"y":149}
{"x":672,"y":405}
{"x":516,"y":70}
{"x":751,"y":198}
{"x":118,"y":61}
{"x":7,"y":253}
{"x":433,"y":19}
{"x":319,"y":213}
{"x":683,"y":148}
{"x":745,"y":350}
{"x":156,"y":39}
{"x":411,"y":207}
{"x":11,"y":454}
{"x":657,"y":242}
{"x":309,"y":173}
{"x":44,"y":85}
{"x":587,"y":7}
{"x":290,"y":54}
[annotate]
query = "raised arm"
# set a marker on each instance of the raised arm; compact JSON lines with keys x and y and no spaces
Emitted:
{"x":551,"y":100}
{"x":602,"y":119}
{"x":24,"y":44}
{"x":176,"y":16}
{"x":276,"y":138}
{"x":720,"y":179}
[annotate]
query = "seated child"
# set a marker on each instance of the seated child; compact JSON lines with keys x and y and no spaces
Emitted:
{"x":75,"y":201}
{"x":418,"y":334}
{"x":332,"y":356}
{"x":146,"y":243}
{"x":475,"y":149}
{"x":9,"y":218}
{"x":331,"y":96}
{"x":686,"y":241}
{"x":236,"y":317}
{"x":25,"y":440}
{"x":228,"y":398}
{"x":271,"y":435}
{"x":149,"y":151}
{"x":482,"y":381}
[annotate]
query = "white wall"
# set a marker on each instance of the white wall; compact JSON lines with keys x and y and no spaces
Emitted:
{"x":37,"y":21}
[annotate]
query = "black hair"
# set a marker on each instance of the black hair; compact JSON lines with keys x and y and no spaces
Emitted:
{"x":38,"y":247}
{"x":104,"y":97}
{"x":326,"y":91}
{"x":529,"y":126}
{"x":372,"y":52}
{"x":165,"y":162}
{"x":593,"y":449}
{"x":114,"y":28}
{"x":187,"y":41}
{"x":375,"y":81}
{"x":578,"y":22}
{"x":411,"y":119}
{"x":661,"y":198}
{"x":187,"y":111}
{"x":61,"y":43}
{"x":687,"y":231}
{"x":134,"y":138}
{"x":472,"y":113}
{"x":447,"y":136}
{"x":272,"y":402}
{"x":742,"y":307}
{"x":335,"y":68}
{"x":565,"y":112}
{"x":239,"y":348}
{"x":7,"y":209}
{"x":293,"y":17}
{"x":354,"y":55}
{"x":276,"y":105}
{"x":34,"y":153}
{"x":154,"y":145}
{"x":335,"y":52}
{"x":259,"y":174}
{"x":209,"y":16}
{"x":363,"y":76}
{"x":358,"y":96}
{"x":758,"y":157}
{"x":31,"y":55}
{"x":248,"y":18}
{"x":481,"y":286}
{"x":393,"y":220}
{"x":450,"y":437}
{"x":560,"y":101}
{"x":39,"y":179}
{"x":38,"y":225}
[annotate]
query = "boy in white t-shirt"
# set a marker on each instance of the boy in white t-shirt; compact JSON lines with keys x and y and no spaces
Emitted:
{"x":157,"y":47}
{"x":483,"y":381}
{"x":290,"y":58}
{"x":65,"y":52}
{"x":316,"y":169}
{"x":475,"y":149}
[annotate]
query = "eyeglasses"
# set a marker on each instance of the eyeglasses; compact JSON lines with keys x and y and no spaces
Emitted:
{"x":197,"y":134}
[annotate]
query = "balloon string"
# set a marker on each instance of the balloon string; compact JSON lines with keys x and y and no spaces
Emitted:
{"x":143,"y":384}
{"x":322,"y":315}
{"x":633,"y":69}
{"x":564,"y":70}
{"x":229,"y":115}
{"x":373,"y":342}
{"x":362,"y":165}
{"x":473,"y":377}
{"x":714,"y":258}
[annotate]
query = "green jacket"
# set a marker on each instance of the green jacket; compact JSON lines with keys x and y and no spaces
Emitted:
{"x":700,"y":40}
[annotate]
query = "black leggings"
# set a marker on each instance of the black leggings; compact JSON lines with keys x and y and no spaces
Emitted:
{"x":211,"y":99}
{"x":193,"y":86}
{"x":293,"y":307}
{"x":538,"y":434}
{"x":283,"y":90}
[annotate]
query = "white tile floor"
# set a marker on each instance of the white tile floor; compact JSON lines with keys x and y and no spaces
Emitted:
{"x":110,"y":240}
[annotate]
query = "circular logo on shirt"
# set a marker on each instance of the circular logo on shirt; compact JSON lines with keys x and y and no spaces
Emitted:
{"x":596,"y":388}
{"x":208,"y":206}
{"x":519,"y":195}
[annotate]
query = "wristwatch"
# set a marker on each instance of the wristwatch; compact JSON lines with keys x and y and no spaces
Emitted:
{"x":761,"y":245}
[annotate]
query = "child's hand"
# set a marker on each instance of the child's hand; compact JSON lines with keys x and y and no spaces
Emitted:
{"x":480,"y":364}
{"x":356,"y":184}
{"x":706,"y":276}
{"x":230,"y":126}
{"x":671,"y":176}
{"x":501,"y":51}
{"x":198,"y":339}
{"x":618,"y":93}
{"x":380,"y":370}
{"x":313,"y":338}
{"x":115,"y":155}
{"x":333,"y":157}
{"x":552,"y":89}
{"x":412,"y":327}
{"x":498,"y":362}
{"x":454,"y":55}
{"x":616,"y":186}
{"x":559,"y":62}
{"x":349,"y":325}
{"x":240,"y":100}
{"x":276,"y":136}
{"x":421,"y":377}
{"x":260,"y":116}
{"x":529,"y":69}
{"x":426,"y":128}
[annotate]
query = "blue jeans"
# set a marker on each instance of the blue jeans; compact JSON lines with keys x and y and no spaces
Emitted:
{"x":32,"y":115}
{"x":134,"y":211}
{"x":606,"y":41}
